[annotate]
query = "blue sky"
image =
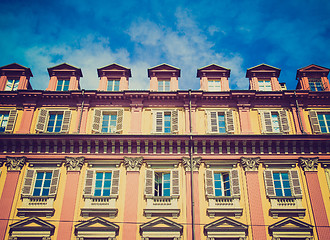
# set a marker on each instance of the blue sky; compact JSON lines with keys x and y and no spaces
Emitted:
{"x":186,"y":34}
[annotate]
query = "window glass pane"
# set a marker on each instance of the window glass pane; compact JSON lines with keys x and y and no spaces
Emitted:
{"x":276,"y":176}
{"x":217,"y":176}
{"x":40,"y":175}
{"x":106,"y":192}
{"x":279,"y":192}
{"x":47,"y":183}
{"x":167,"y":192}
{"x":287,"y":192}
{"x":217,"y":192}
{"x":108,"y":175}
{"x":97,"y":192}
{"x":45,"y":192}
{"x":107,"y":184}
{"x":36,"y":192}
{"x":38,"y":183}
{"x":98,"y":183}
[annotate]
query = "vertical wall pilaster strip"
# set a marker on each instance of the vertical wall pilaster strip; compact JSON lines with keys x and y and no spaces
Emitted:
{"x":188,"y":205}
{"x":197,"y":208}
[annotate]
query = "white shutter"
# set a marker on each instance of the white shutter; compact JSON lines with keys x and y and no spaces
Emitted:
{"x":88,"y":189}
{"x":96,"y":126}
{"x":115,"y":183}
{"x":296,"y":189}
{"x":28,"y":181}
{"x":266,"y":121}
{"x":174,"y":121}
{"x":54,"y":182}
{"x":158,"y":118}
{"x":11,"y":121}
{"x":230,"y":126}
{"x":66,"y":121}
{"x":42,"y":118}
{"x":175,"y":184}
{"x":149,"y":183}
{"x":285,"y":127}
{"x":314,"y":122}
{"x":209,"y":183}
{"x":269,"y":183}
{"x":212,"y":120}
{"x":120,"y":116}
{"x":234,"y":181}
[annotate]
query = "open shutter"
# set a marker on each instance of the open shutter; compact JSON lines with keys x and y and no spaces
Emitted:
{"x":11,"y":121}
{"x":89,"y":183}
{"x":66,"y":121}
{"x":230,"y":126}
{"x":212,"y":122}
{"x":209,"y":186}
{"x":175,"y":121}
{"x":115,"y":183}
{"x":285,"y":127}
{"x":159,"y":122}
{"x":42,"y":118}
{"x":120,"y":116}
{"x":267,"y":122}
{"x":97,"y":120}
{"x":149,"y":181}
{"x":235,"y":188}
{"x":295,"y":183}
{"x":54,"y":182}
{"x":314,"y":122}
{"x":175,"y":183}
{"x":269,"y":183}
{"x":28,"y":181}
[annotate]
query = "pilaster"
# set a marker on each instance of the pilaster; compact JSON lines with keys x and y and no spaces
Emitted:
{"x":28,"y":112}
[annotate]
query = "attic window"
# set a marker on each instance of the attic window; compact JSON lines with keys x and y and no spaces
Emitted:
{"x":315,"y":84}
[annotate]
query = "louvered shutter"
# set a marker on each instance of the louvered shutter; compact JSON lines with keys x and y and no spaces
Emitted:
{"x":66,"y":121}
{"x":42,"y":118}
{"x":175,"y":121}
{"x":209,"y":185}
{"x":28,"y":181}
{"x":235,"y":187}
{"x":54,"y":182}
{"x":212,"y":122}
{"x":269,"y":183}
{"x":295,"y":183}
{"x":175,"y":182}
{"x":267,"y":122}
{"x":97,"y":120}
{"x":149,"y":181}
{"x":230,"y":126}
{"x":314,"y":122}
{"x":285,"y":127}
{"x":159,"y":122}
{"x":115,"y":183}
{"x":120,"y":116}
{"x":88,"y":189}
{"x":11,"y":121}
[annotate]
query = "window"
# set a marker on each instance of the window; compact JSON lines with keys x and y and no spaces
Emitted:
{"x":103,"y":184}
{"x":7,"y":121}
{"x":164,"y":85}
{"x":108,"y":121}
{"x":284,"y":192}
{"x":62,"y":85}
{"x":11,"y":85}
{"x":222,"y":190}
{"x":320,"y":121}
{"x":166,"y":121}
{"x":42,"y":184}
{"x":54,"y":121}
{"x":315,"y":84}
{"x":214,"y":85}
{"x":220,"y":121}
{"x":113,"y":85}
{"x":264,"y":85}
{"x":274,"y":121}
{"x":162,"y":184}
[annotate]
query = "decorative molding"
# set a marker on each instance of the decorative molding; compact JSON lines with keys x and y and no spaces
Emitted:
{"x":133,"y":163}
{"x":250,"y":164}
{"x":309,"y":164}
{"x":74,"y":163}
{"x":15,"y":163}
{"x":196,"y":162}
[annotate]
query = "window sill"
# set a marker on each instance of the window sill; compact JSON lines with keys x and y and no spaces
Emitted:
{"x":224,"y":206}
{"x":99,"y":206}
{"x":36,"y":206}
{"x":286,"y":206}
{"x":162,"y":206}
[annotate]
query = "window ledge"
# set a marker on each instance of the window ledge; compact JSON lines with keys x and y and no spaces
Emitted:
{"x":36,"y":206}
{"x":224,"y":206}
{"x":162,"y":206}
{"x":286,"y":206}
{"x":100,"y":205}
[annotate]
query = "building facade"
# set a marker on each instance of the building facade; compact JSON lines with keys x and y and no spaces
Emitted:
{"x":164,"y":163}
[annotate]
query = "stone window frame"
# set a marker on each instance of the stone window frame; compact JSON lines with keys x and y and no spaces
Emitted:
{"x":215,"y":87}
{"x":314,"y":121}
{"x":112,"y":83}
{"x":265,"y":87}
{"x":97,"y":120}
{"x":43,"y":118}
{"x":101,"y":205}
{"x":212,"y":124}
{"x":14,"y":86}
{"x":64,"y":81}
{"x":164,"y":85}
{"x":12,"y":117}
{"x":158,"y":120}
{"x":312,"y":81}
{"x":266,"y":121}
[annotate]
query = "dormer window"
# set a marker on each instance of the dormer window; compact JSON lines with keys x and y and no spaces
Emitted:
{"x":3,"y":121}
{"x":11,"y":85}
{"x":113,"y":85}
{"x":315,"y":84}
{"x":164,"y":85}
{"x":164,"y":78}
{"x":62,"y":85}
{"x":264,"y":85}
{"x":214,"y":85}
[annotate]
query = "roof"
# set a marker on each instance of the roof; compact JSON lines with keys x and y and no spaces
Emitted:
{"x":113,"y":68}
{"x":15,"y":67}
{"x":213,"y":68}
{"x":313,"y":68}
{"x":164,"y":67}
{"x":64,"y":67}
{"x":263,"y":68}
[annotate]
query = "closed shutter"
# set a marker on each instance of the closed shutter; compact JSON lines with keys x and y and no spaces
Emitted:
{"x":120,"y":116}
{"x":230,"y":126}
{"x":159,"y":122}
{"x":54,"y":182}
{"x":269,"y":183}
{"x":212,"y":122}
{"x":267,"y":122}
{"x":235,"y":188}
{"x":285,"y":127}
{"x":97,"y":120}
{"x":28,"y":181}
{"x":295,"y":183}
{"x":209,"y":185}
{"x":66,"y":121}
{"x":175,"y":121}
{"x":88,"y":189}
{"x":149,"y":181}
{"x":11,"y":121}
{"x":175,"y":183}
{"x":42,"y":118}
{"x":115,"y":183}
{"x":314,"y":122}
